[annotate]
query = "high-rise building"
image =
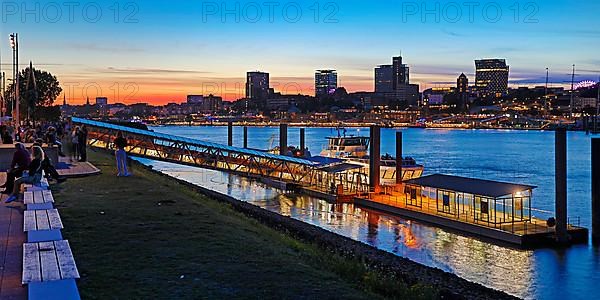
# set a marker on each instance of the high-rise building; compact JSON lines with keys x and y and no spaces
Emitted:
{"x":491,"y":78}
{"x":257,"y":85}
{"x":393,"y":82}
{"x":462,"y":84}
{"x":101,"y":101}
{"x":401,"y":72}
{"x":384,"y":78}
{"x":195,"y":99}
{"x":325,"y":82}
{"x":462,"y":88}
{"x":212,"y":103}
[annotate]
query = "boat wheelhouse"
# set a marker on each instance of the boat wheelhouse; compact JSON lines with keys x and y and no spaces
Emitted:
{"x":356,"y":150}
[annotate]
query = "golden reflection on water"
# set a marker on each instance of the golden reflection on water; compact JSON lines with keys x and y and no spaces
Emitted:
{"x":500,"y":267}
{"x":507,"y":269}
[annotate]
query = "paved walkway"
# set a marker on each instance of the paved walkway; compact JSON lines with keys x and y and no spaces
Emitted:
{"x":12,"y":236}
{"x":75,"y":169}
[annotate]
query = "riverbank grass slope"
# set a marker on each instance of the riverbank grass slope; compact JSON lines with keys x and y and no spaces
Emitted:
{"x":149,"y":237}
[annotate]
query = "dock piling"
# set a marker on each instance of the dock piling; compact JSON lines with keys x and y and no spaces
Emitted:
{"x":283,"y":138}
{"x":586,"y":124}
{"x":399,"y":157}
{"x":596,"y":190}
{"x":302,"y":141}
{"x":230,"y":133}
{"x":561,"y":184}
{"x":375,"y":159}
{"x":245,"y":137}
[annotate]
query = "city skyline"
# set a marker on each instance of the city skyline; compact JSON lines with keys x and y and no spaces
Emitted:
{"x":192,"y":52}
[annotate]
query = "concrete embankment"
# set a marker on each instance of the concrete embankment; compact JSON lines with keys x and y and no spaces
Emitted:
{"x":452,"y":286}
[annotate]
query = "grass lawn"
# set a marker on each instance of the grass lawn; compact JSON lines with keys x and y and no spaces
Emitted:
{"x":147,"y":237}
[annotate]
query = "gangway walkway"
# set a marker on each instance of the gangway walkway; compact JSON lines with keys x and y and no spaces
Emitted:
{"x":198,"y":153}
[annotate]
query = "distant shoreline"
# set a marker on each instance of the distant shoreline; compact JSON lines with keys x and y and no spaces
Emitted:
{"x":346,"y":125}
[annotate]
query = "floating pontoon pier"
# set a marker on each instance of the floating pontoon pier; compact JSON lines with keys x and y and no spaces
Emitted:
{"x":490,"y":209}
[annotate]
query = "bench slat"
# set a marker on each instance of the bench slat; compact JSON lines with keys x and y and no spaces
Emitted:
{"x":41,"y":217}
{"x":29,"y":223}
{"x":31,"y":263}
{"x":68,"y":269}
{"x":50,"y":269}
{"x":31,"y":188}
{"x":38,"y":197}
{"x":54,"y":217}
{"x":48,"y":196}
{"x":28,"y":198}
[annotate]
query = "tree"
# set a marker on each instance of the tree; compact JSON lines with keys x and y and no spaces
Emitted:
{"x":38,"y":90}
{"x":47,"y":113}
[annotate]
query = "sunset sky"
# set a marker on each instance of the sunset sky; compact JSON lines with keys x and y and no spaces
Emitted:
{"x":160,"y":51}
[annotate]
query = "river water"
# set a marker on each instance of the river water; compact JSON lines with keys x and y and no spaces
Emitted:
{"x":514,"y":156}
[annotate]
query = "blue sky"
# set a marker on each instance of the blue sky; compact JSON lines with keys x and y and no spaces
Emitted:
{"x":159,"y":51}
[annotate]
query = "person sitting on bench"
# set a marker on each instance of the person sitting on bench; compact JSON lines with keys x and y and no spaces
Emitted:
{"x":20,"y":162}
{"x":52,"y":140}
{"x":47,"y":166}
{"x":33,"y":177}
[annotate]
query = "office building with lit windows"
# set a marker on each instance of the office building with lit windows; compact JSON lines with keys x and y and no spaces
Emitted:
{"x":257,"y":85}
{"x":392,"y":82}
{"x":401,"y":73}
{"x":491,"y":78}
{"x":326,"y":82}
{"x":384,"y":79}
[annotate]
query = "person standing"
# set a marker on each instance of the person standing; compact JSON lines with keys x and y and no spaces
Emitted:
{"x":120,"y":154}
{"x":83,"y":135}
{"x":75,"y":144}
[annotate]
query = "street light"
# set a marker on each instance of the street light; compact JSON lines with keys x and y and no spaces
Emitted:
{"x":14,"y":44}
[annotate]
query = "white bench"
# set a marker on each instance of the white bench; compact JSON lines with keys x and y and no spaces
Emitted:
{"x":42,"y":225}
{"x":49,"y":270}
{"x":37,"y":200}
{"x":42,"y":186}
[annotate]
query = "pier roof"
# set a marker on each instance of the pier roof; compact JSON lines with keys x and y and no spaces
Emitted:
{"x":341,"y":167}
{"x":195,"y":142}
{"x":481,"y":187}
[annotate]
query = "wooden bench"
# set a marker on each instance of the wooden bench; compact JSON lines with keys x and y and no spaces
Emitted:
{"x":42,"y":225}
{"x":49,"y":270}
{"x":37,"y":200}
{"x":42,"y":186}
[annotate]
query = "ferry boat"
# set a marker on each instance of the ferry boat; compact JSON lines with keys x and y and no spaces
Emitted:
{"x":355,"y":149}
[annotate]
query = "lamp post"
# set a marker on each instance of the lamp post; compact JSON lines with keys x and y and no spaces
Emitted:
{"x":10,"y":99}
{"x":2,"y":102}
{"x":14,"y":44}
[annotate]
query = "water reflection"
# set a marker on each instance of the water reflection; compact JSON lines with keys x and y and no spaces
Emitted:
{"x":510,"y":270}
{"x":503,"y":155}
